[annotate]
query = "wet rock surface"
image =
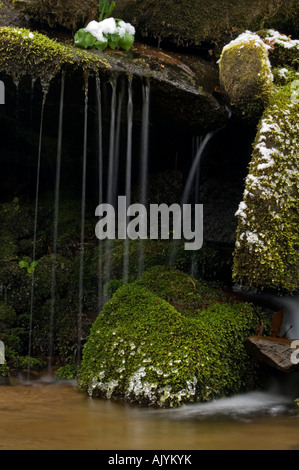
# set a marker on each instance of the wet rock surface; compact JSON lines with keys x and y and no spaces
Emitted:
{"x":181,"y":23}
{"x":276,"y":352}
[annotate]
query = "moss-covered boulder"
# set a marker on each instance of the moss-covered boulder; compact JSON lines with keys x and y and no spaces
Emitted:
{"x":143,"y":350}
{"x":267,"y":246}
{"x":39,"y":56}
{"x":245,"y":74}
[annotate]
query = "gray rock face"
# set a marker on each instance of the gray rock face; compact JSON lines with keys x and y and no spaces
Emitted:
{"x":275,"y":352}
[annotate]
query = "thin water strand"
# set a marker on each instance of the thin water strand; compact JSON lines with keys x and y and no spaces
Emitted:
{"x":100,"y":184}
{"x":117,"y":144}
{"x":56,"y":216}
{"x":35,"y":230}
{"x":130,"y":110}
{"x":144,"y":162}
{"x":83,"y":208}
{"x":194,"y":171}
{"x":110,"y":182}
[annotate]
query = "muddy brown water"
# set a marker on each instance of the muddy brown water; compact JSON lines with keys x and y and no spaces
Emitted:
{"x":46,"y":415}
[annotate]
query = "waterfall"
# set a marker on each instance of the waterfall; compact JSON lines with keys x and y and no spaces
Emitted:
{"x":100,"y":183}
{"x":56,"y":212}
{"x":128,"y":176}
{"x":110,"y":183}
{"x":196,"y":144}
{"x":117,"y":145}
{"x":35,"y":227}
{"x":144,"y":161}
{"x":195,"y":168}
{"x":110,"y":179}
{"x":83,"y":204}
{"x":194,"y":172}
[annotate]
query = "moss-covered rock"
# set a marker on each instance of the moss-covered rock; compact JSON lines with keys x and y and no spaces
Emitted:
{"x":39,"y":56}
{"x":143,"y":350}
{"x":245,"y":74}
{"x":283,"y":50}
{"x":267,"y":246}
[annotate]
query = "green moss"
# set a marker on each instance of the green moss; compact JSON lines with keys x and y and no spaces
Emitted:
{"x":245,"y":75}
{"x":34,"y":363}
{"x":143,"y":350}
{"x":7,"y":317}
{"x":283,"y":50}
{"x":182,"y":291}
{"x":267,"y":246}
{"x":4,"y":371}
{"x":67,"y":372}
{"x":39,"y":56}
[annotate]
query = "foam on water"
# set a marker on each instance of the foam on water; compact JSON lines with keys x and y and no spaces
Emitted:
{"x":239,"y":407}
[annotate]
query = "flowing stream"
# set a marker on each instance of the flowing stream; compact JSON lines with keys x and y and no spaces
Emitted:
{"x":48,"y":415}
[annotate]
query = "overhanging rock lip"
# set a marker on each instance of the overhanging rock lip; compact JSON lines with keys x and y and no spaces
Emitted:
{"x":275,"y":352}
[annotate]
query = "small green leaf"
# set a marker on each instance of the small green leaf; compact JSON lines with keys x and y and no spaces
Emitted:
{"x":113,"y":40}
{"x":90,"y":40}
{"x":101,"y":45}
{"x":80,"y":38}
{"x":23,"y":264}
{"x":103,"y":8}
{"x":127,"y":41}
{"x":34,"y":264}
{"x":110,"y":11}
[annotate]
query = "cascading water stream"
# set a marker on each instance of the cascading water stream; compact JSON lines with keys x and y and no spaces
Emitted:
{"x":195,"y":168}
{"x":100,"y":184}
{"x":35,"y":228}
{"x":196,"y":143}
{"x":111,"y":164}
{"x":144,"y":161}
{"x":128,"y":176}
{"x":194,"y":172}
{"x":110,"y":179}
{"x":83,"y":209}
{"x":56,"y":214}
{"x":117,"y":144}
